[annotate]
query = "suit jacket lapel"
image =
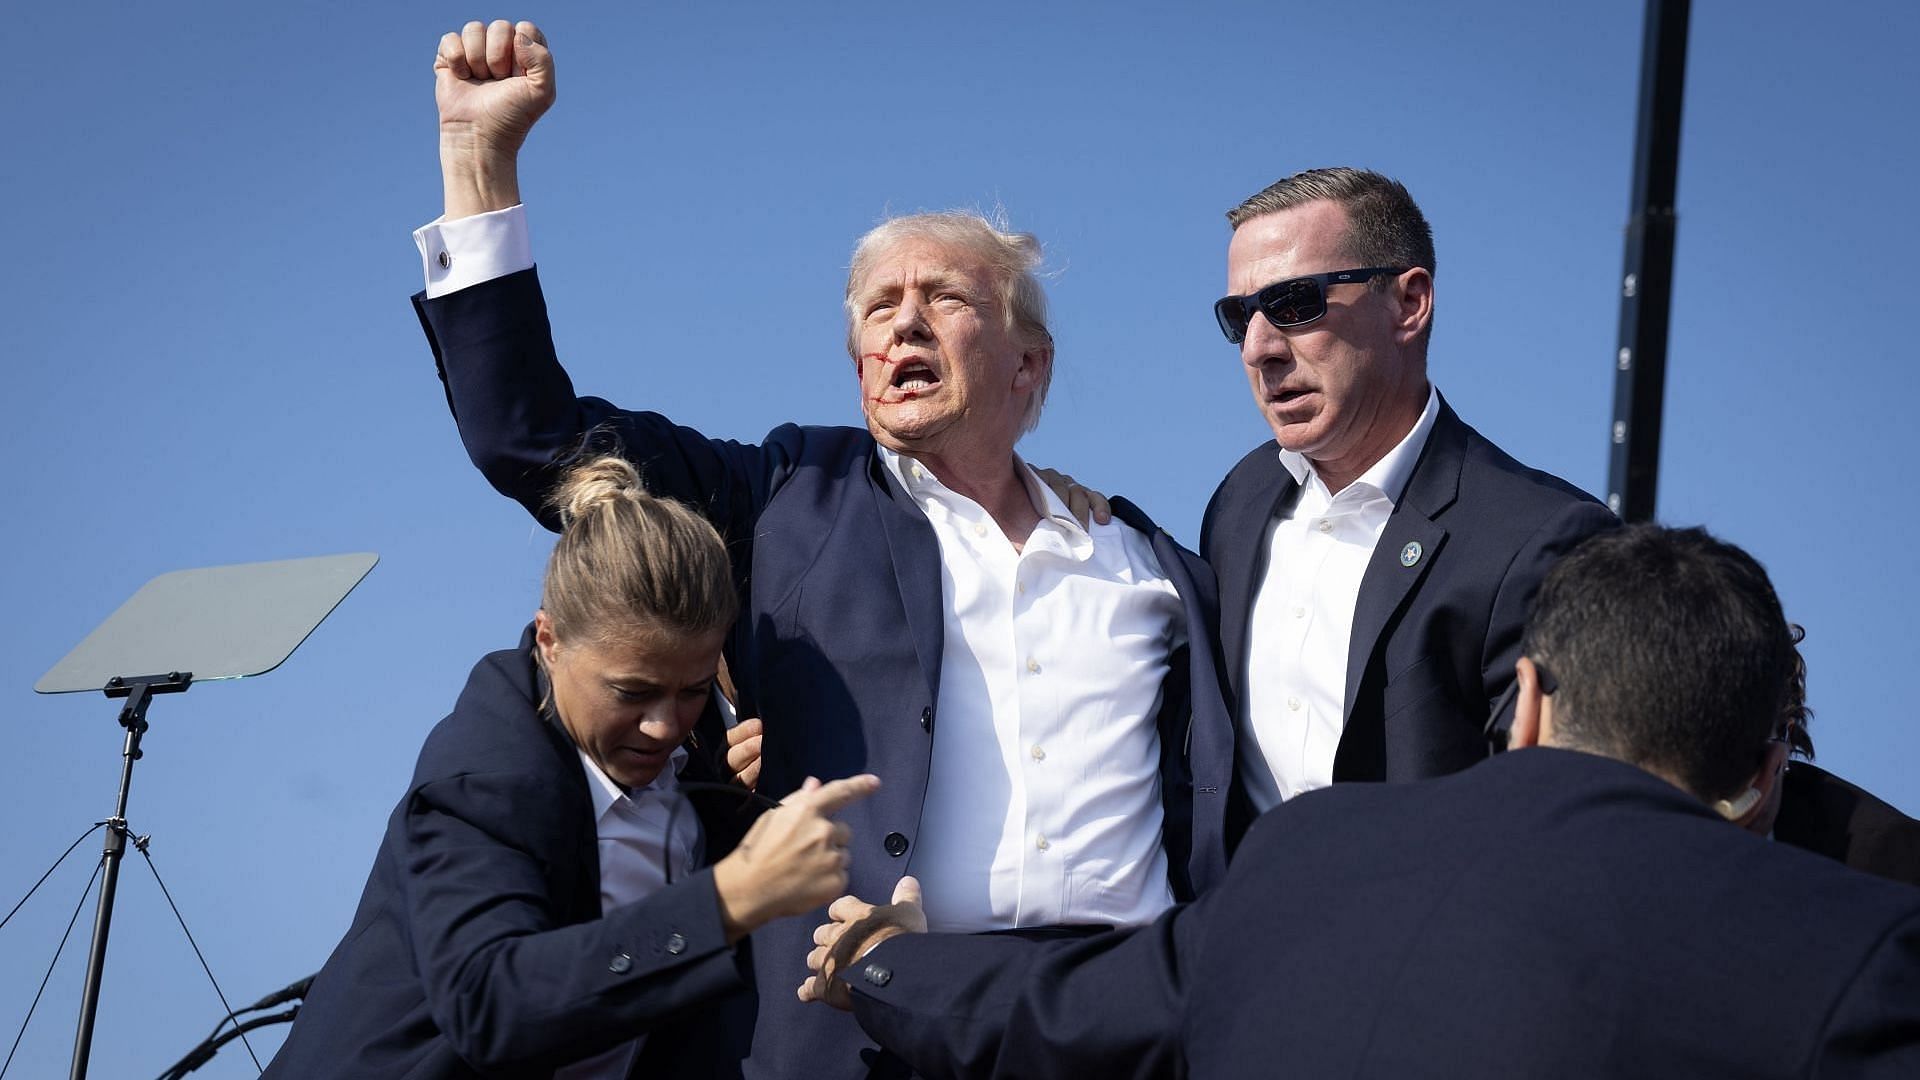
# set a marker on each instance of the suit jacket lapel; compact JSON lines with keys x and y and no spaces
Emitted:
{"x":1388,"y":582}
{"x":1240,"y":579}
{"x":916,"y":567}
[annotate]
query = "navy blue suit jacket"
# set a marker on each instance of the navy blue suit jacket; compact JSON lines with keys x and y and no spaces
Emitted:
{"x":839,"y":640}
{"x":1433,"y":643}
{"x":1544,"y":913}
{"x":479,"y":948}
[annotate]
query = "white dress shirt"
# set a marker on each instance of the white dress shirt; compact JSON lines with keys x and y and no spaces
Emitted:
{"x":1043,"y":794}
{"x":634,"y":853}
{"x":1302,"y":620}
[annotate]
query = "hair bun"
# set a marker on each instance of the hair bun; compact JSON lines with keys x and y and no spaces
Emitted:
{"x":593,"y":484}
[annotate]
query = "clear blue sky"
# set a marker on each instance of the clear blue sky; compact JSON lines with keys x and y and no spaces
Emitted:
{"x":211,"y":358}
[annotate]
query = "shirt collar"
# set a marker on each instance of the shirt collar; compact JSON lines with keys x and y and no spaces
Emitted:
{"x":1390,"y":474}
{"x":607,"y":794}
{"x":920,"y":482}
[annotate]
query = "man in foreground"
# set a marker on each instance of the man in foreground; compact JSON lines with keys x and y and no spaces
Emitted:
{"x":1040,"y":699}
{"x":1581,"y":906}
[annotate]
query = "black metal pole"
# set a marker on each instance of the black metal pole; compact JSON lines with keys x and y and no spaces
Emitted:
{"x":134,"y":717}
{"x":1646,"y":284}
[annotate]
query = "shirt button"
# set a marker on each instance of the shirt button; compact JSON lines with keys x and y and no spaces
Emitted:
{"x":445,"y":260}
{"x":896,"y":844}
{"x":620,"y":964}
{"x":1300,"y":613}
{"x":980,"y":528}
{"x":1039,"y":752}
{"x":1326,"y":526}
{"x":917,"y":474}
{"x":1020,"y":588}
{"x":1293,"y":703}
{"x":1041,"y":842}
{"x":676,"y":944}
{"x":1033,"y":665}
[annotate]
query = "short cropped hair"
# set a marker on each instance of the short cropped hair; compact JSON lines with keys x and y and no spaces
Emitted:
{"x":1670,"y":651}
{"x":1384,"y":225}
{"x":630,"y":564}
{"x":1014,"y":258}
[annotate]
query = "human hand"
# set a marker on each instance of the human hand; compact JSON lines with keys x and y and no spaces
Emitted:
{"x":492,"y":81}
{"x":1085,"y":504}
{"x":853,"y":928}
{"x":792,"y":860}
{"x":743,"y":752}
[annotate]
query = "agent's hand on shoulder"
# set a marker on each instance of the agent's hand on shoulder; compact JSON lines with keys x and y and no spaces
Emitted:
{"x":793,"y":859}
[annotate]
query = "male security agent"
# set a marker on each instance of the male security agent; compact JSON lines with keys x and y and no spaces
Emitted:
{"x":1377,"y":557}
{"x":1581,"y":906}
{"x":1039,"y":699}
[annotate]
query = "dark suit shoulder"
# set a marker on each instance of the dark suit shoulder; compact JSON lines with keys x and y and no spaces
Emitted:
{"x":494,"y":723}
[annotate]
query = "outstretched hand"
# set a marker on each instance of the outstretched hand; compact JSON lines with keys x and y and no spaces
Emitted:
{"x":792,"y":860}
{"x":854,"y":927}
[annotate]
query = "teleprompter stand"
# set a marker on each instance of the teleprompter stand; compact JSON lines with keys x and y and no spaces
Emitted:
{"x":221,"y":622}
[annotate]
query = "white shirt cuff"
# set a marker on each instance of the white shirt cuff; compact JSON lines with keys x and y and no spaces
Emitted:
{"x":469,"y":250}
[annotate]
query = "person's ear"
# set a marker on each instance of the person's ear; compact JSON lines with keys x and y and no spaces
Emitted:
{"x":1413,"y":296}
{"x":1035,"y":361}
{"x":543,"y":638}
{"x":1531,"y":708}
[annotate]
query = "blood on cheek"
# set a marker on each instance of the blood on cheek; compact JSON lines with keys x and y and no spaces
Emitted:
{"x":860,"y":369}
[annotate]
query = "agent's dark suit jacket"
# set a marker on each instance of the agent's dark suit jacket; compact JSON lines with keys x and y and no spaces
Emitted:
{"x":479,"y":948}
{"x":1824,"y":813}
{"x":1433,"y":643}
{"x":838,"y":644}
{"x":1544,"y":914}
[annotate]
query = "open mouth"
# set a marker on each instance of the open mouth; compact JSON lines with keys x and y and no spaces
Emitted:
{"x":914,"y":376}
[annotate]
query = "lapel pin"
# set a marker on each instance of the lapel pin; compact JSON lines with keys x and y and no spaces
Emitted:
{"x":1410,"y":554}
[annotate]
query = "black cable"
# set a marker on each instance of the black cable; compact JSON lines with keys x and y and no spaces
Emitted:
{"x":141,"y":846}
{"x":204,"y":1052}
{"x":56,"y":960}
{"x":49,"y":873}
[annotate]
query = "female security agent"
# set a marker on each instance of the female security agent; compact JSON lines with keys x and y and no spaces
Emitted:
{"x":532,"y":911}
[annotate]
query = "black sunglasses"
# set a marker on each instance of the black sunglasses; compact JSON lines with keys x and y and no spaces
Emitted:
{"x":1293,"y":302}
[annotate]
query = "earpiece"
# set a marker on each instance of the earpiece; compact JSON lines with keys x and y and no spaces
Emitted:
{"x":1735,"y":809}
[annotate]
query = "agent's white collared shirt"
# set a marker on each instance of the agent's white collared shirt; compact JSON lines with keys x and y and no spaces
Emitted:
{"x":1043,"y":795}
{"x":1301,"y":625}
{"x":634,"y":852}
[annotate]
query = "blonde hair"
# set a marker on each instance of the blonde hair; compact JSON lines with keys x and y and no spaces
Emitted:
{"x":1013,"y":257}
{"x":628,"y":563}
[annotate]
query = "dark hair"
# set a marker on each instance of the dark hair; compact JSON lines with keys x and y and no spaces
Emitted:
{"x":1384,"y":225}
{"x":1670,"y":651}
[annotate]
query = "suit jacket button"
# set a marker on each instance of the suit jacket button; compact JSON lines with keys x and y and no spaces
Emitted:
{"x":620,"y":964}
{"x":676,"y":944}
{"x":896,"y":844}
{"x":926,"y":718}
{"x":878,"y":975}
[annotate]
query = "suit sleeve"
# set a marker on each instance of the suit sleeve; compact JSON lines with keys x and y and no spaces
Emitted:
{"x":521,"y":421}
{"x":509,"y":986}
{"x":1560,"y":534}
{"x":1001,"y":1006}
{"x":1874,"y":1030}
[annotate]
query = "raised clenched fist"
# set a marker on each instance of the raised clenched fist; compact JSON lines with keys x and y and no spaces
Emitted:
{"x":492,"y":81}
